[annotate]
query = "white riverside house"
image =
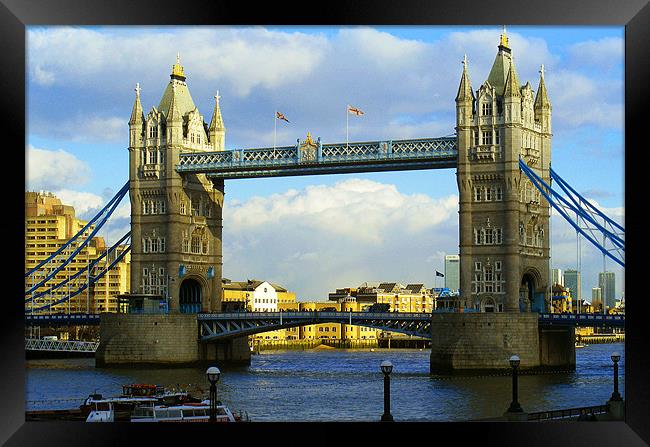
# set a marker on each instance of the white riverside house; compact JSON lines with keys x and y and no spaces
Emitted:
{"x":264,"y":298}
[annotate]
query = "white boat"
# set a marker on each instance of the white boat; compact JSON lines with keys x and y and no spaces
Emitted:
{"x":188,"y":412}
{"x":101,"y":411}
{"x":96,"y":407}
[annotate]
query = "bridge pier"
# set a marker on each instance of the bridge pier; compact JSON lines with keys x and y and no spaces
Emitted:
{"x":162,"y":339}
{"x":234,"y":352}
{"x":472,"y":343}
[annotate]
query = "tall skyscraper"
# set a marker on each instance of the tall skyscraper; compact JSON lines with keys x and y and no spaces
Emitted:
{"x":596,"y":297}
{"x":572,"y":280}
{"x":557,"y":277}
{"x":607,"y":283}
{"x":452,"y":272}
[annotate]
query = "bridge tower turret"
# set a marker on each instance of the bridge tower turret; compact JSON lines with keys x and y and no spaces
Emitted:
{"x":176,"y":221}
{"x":503,"y":223}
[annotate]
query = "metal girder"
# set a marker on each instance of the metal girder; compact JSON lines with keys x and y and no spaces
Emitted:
{"x":62,"y":319}
{"x":215,"y":326}
{"x":583,"y":319}
{"x":39,"y":344}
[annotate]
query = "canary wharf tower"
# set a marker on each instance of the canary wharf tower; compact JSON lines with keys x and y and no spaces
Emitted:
{"x":176,"y":221}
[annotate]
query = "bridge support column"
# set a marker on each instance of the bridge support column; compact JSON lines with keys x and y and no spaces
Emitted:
{"x":482,"y":342}
{"x":141,"y":339}
{"x":233,"y":351}
{"x":557,"y":349}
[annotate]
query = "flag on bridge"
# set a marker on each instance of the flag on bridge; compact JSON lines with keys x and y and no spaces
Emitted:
{"x":281,"y":116}
{"x":354,"y":110}
{"x":278,"y":116}
{"x":439,"y":274}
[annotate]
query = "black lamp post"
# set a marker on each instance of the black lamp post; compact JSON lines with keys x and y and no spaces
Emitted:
{"x":514,"y":405}
{"x":213,"y":374}
{"x":615,"y":358}
{"x":386,"y":368}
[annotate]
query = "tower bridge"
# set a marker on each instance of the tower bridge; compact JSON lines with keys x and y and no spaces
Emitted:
{"x":501,"y":151}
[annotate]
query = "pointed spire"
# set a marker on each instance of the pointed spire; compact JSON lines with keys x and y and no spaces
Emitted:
{"x":177,"y":69}
{"x":503,"y":43}
{"x":465,"y":92}
{"x":137,"y":115}
{"x":217,"y":121}
{"x":174,"y":114}
{"x":512,"y":85}
{"x":541,"y":100}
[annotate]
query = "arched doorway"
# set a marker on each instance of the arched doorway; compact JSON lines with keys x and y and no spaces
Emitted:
{"x":529,"y":300}
{"x":190,"y":296}
{"x":488,"y":305}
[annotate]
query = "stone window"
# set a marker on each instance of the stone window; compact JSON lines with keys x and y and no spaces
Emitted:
{"x":497,"y":139}
{"x":478,"y":193}
{"x":196,"y":244}
{"x":487,"y":108}
{"x":487,"y":137}
{"x":476,"y":143}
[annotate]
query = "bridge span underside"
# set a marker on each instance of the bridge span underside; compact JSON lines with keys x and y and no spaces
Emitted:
{"x":222,"y":326}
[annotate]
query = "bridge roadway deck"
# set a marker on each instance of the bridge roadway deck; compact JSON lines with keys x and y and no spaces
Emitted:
{"x":231,"y":324}
{"x":392,"y":155}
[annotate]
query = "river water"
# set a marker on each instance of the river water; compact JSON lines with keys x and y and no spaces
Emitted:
{"x":340,"y":385}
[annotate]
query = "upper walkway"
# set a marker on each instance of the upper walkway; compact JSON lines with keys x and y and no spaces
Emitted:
{"x":316,"y":158}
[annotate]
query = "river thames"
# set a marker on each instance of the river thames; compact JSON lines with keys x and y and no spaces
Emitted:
{"x":340,"y":385}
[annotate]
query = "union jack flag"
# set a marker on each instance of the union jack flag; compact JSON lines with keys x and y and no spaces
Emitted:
{"x":355,"y":111}
{"x":280,"y":116}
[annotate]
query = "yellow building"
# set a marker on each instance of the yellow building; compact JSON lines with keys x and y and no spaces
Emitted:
{"x":409,"y":298}
{"x":562,"y":302}
{"x":48,"y":226}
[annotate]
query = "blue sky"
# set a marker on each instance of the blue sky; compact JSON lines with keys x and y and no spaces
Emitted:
{"x":80,"y":94}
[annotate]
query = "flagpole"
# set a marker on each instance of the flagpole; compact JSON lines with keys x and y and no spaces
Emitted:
{"x":275,"y":129}
{"x":347,"y":119}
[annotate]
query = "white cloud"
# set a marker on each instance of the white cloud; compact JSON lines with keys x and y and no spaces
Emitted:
{"x":84,"y":203}
{"x":322,"y":237}
{"x":604,"y":53}
{"x":52,"y":170}
{"x":89,"y":128}
{"x":242,"y":58}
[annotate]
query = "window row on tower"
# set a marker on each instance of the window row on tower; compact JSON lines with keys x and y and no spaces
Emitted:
{"x":488,"y":193}
{"x":152,"y":156}
{"x":198,"y":244}
{"x":153,"y":207}
{"x":488,"y":236}
{"x":154,"y":281}
{"x":488,"y":278}
{"x":153,"y":245}
{"x":487,"y":137}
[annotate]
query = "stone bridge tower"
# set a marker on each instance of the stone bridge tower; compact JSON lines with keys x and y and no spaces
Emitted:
{"x":176,"y":221}
{"x":504,"y":224}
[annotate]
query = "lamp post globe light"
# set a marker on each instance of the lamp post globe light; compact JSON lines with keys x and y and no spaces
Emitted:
{"x":386,"y":368}
{"x":514,"y":405}
{"x":213,"y":374}
{"x":615,"y":358}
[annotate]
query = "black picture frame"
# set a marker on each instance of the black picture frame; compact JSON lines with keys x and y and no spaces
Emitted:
{"x":15,"y":15}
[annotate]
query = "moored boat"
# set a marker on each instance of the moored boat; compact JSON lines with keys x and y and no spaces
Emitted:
{"x":189,"y":412}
